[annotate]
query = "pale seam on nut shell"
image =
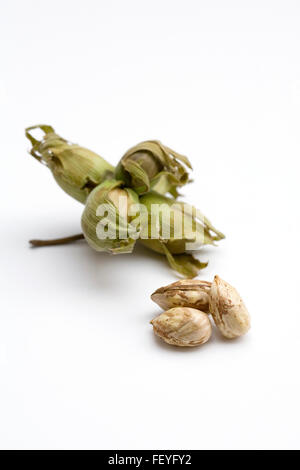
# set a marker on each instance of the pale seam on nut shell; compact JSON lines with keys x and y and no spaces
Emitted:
{"x":184,"y":293}
{"x":183,"y":326}
{"x":228,"y":309}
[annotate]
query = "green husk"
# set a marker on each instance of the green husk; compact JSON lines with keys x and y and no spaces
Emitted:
{"x":200,"y":231}
{"x":149,"y":170}
{"x":186,"y":265}
{"x":109,"y":193}
{"x":76,"y":169}
{"x":150,"y":165}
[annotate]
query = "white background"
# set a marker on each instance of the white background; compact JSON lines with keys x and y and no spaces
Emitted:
{"x":220,"y":82}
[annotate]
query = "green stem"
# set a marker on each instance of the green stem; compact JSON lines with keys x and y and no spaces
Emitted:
{"x":57,"y":241}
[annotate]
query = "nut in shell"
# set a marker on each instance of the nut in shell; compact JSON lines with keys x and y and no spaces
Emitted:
{"x":184,"y":293}
{"x":228,"y":309}
{"x":183,"y":326}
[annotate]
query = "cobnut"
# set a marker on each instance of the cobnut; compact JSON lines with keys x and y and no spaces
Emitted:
{"x":228,"y":309}
{"x":183,"y":326}
{"x":184,"y":293}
